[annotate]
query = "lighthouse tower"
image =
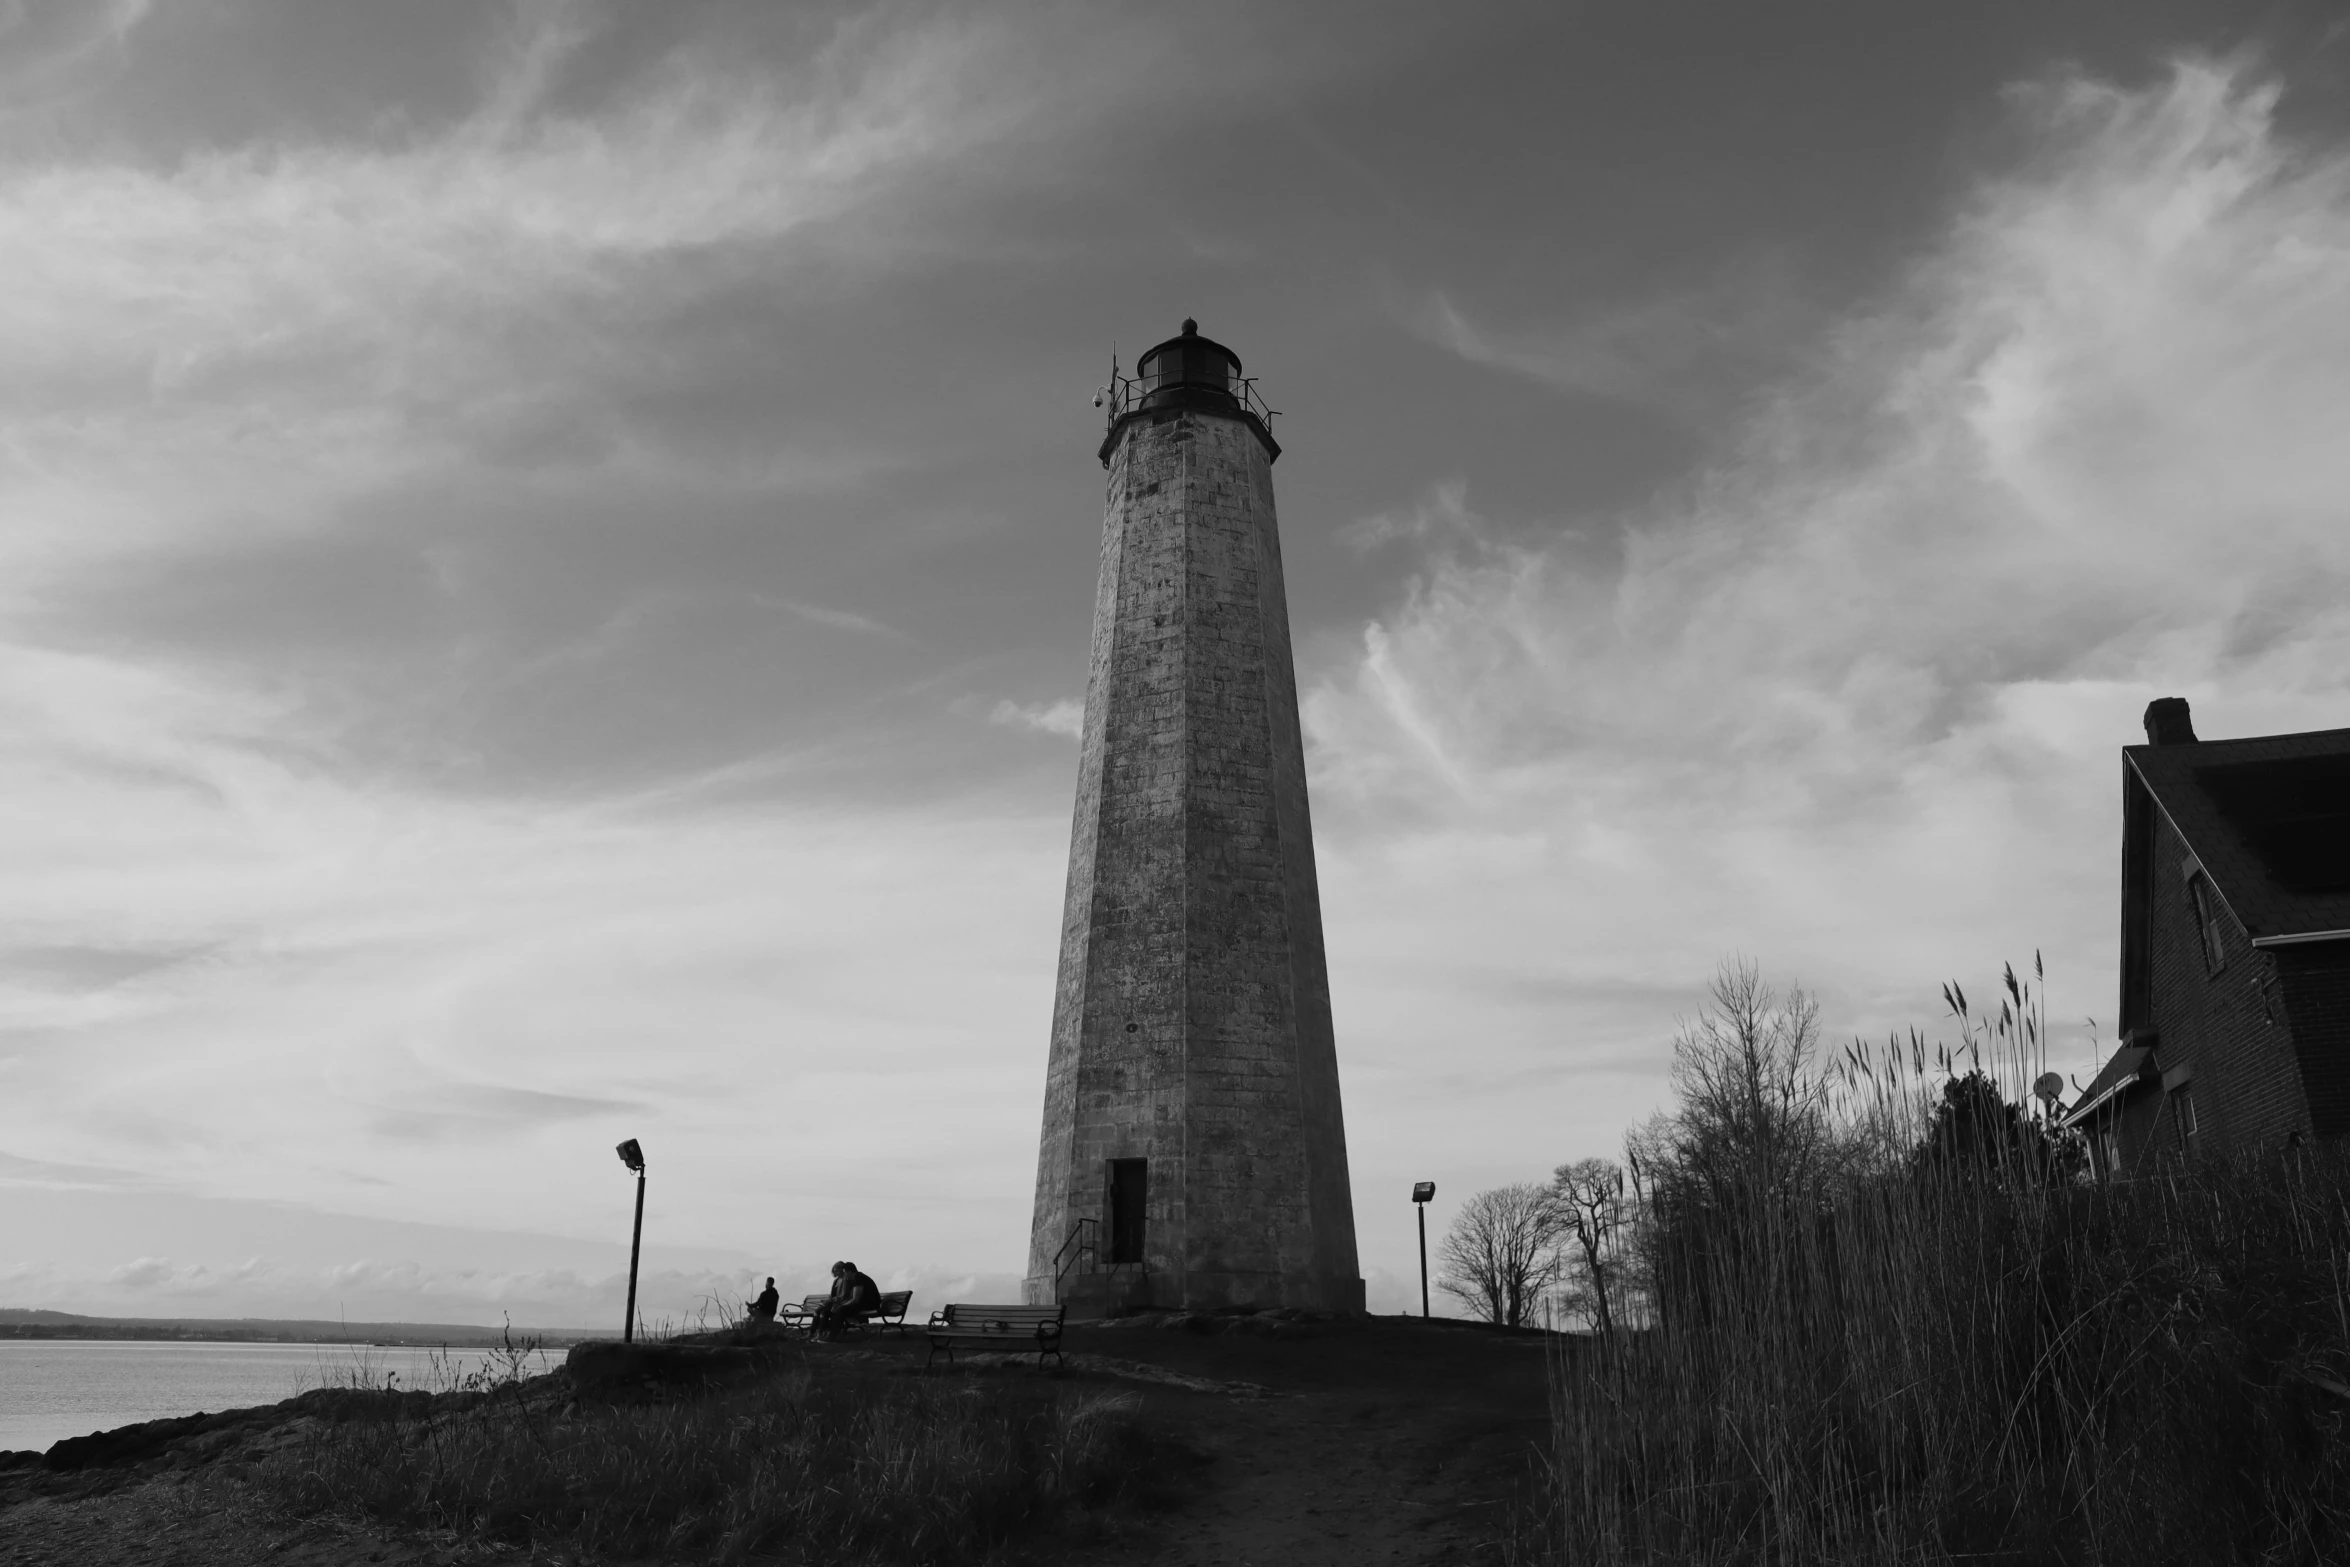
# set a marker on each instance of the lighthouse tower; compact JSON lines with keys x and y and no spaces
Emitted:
{"x":1193,"y":1152}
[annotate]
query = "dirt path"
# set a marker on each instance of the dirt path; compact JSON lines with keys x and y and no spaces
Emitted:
{"x":1391,"y":1446}
{"x":1301,"y":1482}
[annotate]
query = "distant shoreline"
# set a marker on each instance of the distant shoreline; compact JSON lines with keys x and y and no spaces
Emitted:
{"x":53,"y":1325}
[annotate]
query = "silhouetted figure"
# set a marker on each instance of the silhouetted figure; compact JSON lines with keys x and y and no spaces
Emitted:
{"x":763,"y":1309}
{"x":815,"y":1320}
{"x":854,"y":1297}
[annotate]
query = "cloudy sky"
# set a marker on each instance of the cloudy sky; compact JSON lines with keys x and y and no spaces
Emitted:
{"x":546,"y":554}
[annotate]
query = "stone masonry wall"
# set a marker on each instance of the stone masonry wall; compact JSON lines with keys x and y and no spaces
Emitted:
{"x":1266,"y":1135}
{"x":1053,"y":1215}
{"x":1192,"y":1020}
{"x":1114,"y":1079}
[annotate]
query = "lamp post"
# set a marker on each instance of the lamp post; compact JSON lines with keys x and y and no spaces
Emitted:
{"x":634,"y":1157}
{"x":1422,"y":1191}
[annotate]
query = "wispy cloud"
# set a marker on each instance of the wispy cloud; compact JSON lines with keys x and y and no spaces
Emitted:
{"x":15,"y":1171}
{"x":1693,"y":350}
{"x":1440,"y":517}
{"x":840,"y":619}
{"x":423,"y":541}
{"x":277,"y":412}
{"x":1065,"y":717}
{"x":261,"y":341}
{"x":47,"y":46}
{"x":278,"y":328}
{"x":390,"y":971}
{"x":1851,"y":699}
{"x":453,"y":1110}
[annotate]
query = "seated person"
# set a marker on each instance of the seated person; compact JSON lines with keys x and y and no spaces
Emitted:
{"x":854,"y":1297}
{"x":814,"y":1319}
{"x":763,"y":1309}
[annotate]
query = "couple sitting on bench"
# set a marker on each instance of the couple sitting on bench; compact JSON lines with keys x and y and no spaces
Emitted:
{"x":854,"y":1298}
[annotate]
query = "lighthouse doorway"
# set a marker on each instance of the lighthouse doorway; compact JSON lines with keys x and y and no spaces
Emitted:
{"x":1129,"y":1209}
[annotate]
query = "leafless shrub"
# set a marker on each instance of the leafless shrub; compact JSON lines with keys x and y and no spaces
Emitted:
{"x":1753,"y":1112}
{"x":1500,"y":1253}
{"x":1595,"y":1211}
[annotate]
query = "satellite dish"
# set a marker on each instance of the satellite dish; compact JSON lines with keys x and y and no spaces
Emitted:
{"x":2049,"y":1086}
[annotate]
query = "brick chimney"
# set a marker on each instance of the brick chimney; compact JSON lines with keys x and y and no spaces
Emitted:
{"x":2167,"y":722}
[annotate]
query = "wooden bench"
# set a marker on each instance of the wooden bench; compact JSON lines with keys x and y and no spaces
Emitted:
{"x":801,"y":1315}
{"x":891,"y":1313}
{"x":1015,"y":1328}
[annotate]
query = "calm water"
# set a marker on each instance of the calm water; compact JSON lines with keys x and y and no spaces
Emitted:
{"x":54,"y":1388}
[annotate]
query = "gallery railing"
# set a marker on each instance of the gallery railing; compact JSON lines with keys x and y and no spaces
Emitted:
{"x":1127,"y":394}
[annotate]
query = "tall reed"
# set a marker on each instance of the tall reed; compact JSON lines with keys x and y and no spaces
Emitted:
{"x":1982,"y":1355}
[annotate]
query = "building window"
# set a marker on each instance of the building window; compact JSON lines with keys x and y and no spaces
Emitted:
{"x":2207,"y":917}
{"x":2183,"y":1106}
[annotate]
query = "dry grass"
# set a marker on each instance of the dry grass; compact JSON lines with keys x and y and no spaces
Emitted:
{"x":791,"y":1469}
{"x":1977,"y":1360}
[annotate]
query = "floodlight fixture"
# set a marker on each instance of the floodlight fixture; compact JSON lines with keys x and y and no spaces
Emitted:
{"x":1423,"y":1191}
{"x":632,"y":1156}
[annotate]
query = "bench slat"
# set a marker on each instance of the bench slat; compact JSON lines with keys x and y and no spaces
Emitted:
{"x":969,"y":1322}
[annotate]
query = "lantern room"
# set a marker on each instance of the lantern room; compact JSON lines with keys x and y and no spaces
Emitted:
{"x":1189,"y":361}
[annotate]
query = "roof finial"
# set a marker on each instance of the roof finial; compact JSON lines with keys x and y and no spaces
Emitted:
{"x":1190,"y":327}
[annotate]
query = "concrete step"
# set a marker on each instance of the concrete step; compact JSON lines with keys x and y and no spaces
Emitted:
{"x":1090,"y":1297}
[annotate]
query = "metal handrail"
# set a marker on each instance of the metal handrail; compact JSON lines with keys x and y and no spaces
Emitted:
{"x":1080,"y":1235}
{"x":1125,"y":393}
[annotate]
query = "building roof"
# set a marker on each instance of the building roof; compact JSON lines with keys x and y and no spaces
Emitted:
{"x":2121,"y":1072}
{"x":2268,"y":818}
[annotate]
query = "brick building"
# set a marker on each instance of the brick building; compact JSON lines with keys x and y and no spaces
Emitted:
{"x":2235,"y":951}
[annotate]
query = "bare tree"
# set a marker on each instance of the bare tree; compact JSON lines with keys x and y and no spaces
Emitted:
{"x":1499,"y":1255}
{"x":1753,"y":1112}
{"x":1751,"y":1150}
{"x":1591,"y":1200}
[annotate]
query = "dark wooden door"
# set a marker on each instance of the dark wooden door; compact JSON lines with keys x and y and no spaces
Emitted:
{"x":1129,"y":1208}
